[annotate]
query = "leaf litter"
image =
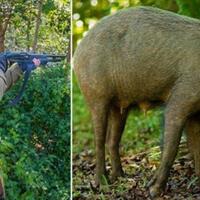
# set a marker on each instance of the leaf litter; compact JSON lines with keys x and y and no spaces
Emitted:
{"x":139,"y":168}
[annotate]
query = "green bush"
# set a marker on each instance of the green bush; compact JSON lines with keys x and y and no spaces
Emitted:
{"x":35,"y":138}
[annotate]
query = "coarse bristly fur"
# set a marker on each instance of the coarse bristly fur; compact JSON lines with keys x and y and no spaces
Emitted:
{"x":140,"y":56}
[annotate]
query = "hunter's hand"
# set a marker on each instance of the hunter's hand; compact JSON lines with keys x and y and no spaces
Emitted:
{"x":3,"y":63}
{"x":36,"y":62}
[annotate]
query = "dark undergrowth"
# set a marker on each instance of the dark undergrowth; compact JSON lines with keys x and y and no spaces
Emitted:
{"x":35,"y":138}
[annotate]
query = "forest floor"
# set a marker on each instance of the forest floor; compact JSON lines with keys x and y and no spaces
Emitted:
{"x":139,"y":168}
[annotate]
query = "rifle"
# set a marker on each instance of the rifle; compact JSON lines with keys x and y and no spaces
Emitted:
{"x":25,"y":61}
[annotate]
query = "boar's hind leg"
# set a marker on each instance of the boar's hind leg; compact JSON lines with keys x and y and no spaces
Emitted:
{"x":193,"y":138}
{"x":99,"y":111}
{"x":175,"y":117}
{"x":116,"y":123}
{"x":2,"y":193}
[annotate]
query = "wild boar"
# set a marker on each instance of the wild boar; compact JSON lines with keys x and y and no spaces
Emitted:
{"x":139,"y":56}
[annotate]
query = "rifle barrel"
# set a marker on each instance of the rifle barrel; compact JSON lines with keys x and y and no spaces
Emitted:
{"x":24,"y":56}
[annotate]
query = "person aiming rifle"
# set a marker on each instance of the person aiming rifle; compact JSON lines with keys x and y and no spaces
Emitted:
{"x":27,"y":62}
{"x":8,"y":77}
{"x":20,"y":63}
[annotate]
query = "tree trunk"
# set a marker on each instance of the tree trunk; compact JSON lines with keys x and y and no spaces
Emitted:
{"x":69,"y":44}
{"x":28,"y":36}
{"x":2,"y":38}
{"x":37,"y":26}
{"x":69,"y":51}
{"x":3,"y":27}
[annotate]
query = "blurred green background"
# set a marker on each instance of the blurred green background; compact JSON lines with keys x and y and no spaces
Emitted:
{"x":86,"y":13}
{"x":35,"y":25}
{"x":35,"y":134}
{"x":141,"y":132}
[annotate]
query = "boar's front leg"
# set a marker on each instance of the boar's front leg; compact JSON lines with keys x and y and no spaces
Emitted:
{"x":175,"y":117}
{"x":99,"y":111}
{"x":116,"y":124}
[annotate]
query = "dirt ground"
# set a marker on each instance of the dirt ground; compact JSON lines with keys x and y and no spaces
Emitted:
{"x":139,"y":168}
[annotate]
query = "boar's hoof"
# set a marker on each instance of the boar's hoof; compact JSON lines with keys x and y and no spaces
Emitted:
{"x":2,"y":197}
{"x":152,"y":181}
{"x":155,"y":191}
{"x":116,"y":175}
{"x":101,"y":180}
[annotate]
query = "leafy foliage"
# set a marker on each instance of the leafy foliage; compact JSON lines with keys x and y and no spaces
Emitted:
{"x":189,"y":8}
{"x":54,"y":29}
{"x":35,"y":138}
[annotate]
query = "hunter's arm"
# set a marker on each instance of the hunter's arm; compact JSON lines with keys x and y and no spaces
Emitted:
{"x":8,"y":78}
{"x":12,"y":75}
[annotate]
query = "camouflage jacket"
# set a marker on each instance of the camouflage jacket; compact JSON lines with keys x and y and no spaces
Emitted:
{"x":9,"y":78}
